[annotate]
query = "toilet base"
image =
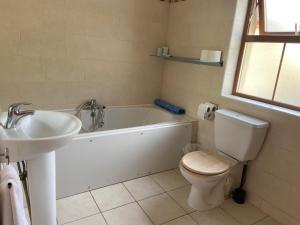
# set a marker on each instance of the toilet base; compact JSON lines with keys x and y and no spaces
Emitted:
{"x":204,"y":199}
{"x":207,"y":191}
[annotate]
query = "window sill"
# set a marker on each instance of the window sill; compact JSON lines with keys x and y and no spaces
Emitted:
{"x":263,"y":105}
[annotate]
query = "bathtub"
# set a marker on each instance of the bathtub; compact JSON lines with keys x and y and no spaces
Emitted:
{"x":134,"y":142}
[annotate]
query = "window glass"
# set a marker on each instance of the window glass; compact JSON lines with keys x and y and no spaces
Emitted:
{"x":281,"y":16}
{"x":288,"y":89}
{"x":259,"y":69}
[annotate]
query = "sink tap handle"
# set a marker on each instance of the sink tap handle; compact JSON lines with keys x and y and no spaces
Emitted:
{"x":16,"y":108}
{"x":17,"y":105}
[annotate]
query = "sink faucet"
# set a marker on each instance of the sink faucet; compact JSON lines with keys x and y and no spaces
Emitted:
{"x":14,"y":114}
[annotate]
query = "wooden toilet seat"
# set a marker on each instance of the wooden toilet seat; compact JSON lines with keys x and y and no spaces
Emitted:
{"x":205,"y":162}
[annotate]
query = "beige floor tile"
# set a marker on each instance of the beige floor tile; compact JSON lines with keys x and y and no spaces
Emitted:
{"x":214,"y":217}
{"x":181,"y":195}
{"x":75,"y":207}
{"x":130,"y":214}
{"x":112,"y":196}
{"x":170,"y":180}
{"x":161,"y":208}
{"x":143,"y":187}
{"x":185,"y":220}
{"x":92,"y":220}
{"x":246,"y":214}
{"x":278,"y":215}
{"x":267,"y":221}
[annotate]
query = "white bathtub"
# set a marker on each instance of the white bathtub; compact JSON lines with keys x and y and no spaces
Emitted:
{"x":134,"y":142}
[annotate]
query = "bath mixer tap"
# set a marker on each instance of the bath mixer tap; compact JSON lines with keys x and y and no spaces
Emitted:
{"x":14,"y":114}
{"x":96,"y":113}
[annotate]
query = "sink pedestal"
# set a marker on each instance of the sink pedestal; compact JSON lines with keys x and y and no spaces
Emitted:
{"x":42,"y":189}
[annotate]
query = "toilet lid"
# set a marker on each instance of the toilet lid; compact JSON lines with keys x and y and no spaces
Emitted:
{"x":205,"y":162}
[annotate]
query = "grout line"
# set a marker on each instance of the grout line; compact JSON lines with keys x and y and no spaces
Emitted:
{"x":165,"y":192}
{"x":79,"y":219}
{"x":265,"y":217}
{"x":178,"y":202}
{"x":146,"y":213}
{"x":151,"y":196}
{"x":95,"y":201}
{"x":98,"y":207}
{"x":128,"y":191}
{"x":105,"y":221}
{"x":228,"y":212}
{"x":117,"y":207}
{"x":158,"y":182}
{"x":139,"y":205}
{"x":240,"y":223}
{"x":177,"y":218}
{"x":173,"y":219}
{"x":190,"y":214}
{"x":172,"y":188}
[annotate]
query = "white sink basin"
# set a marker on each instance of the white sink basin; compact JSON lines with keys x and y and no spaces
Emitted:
{"x":43,"y":132}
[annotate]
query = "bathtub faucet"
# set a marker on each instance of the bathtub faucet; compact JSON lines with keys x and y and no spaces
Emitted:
{"x":91,"y":105}
{"x":97,"y":114}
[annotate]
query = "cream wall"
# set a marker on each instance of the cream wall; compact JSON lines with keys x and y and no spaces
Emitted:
{"x":58,"y":53}
{"x":274,"y":178}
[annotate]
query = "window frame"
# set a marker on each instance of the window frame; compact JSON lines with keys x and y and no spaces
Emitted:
{"x":285,"y":38}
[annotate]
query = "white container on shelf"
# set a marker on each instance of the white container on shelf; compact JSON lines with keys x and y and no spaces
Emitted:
{"x":211,"y":56}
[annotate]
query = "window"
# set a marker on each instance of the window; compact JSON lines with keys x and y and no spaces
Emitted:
{"x":269,"y":60}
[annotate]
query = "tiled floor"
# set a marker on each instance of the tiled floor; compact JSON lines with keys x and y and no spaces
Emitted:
{"x":155,"y":199}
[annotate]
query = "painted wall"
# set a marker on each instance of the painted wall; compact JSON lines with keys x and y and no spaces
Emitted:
{"x":273,"y":182}
{"x":58,"y":53}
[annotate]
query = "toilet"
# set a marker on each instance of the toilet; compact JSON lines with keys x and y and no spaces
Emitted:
{"x":238,"y":138}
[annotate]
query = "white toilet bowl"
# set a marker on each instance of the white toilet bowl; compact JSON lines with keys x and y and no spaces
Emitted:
{"x":207,"y":172}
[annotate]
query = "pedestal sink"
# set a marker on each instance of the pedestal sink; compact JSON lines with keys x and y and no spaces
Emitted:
{"x":35,"y":139}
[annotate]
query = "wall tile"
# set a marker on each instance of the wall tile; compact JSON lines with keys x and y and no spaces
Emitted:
{"x":31,"y":43}
{"x":101,"y":25}
{"x":61,"y":69}
{"x":9,"y":41}
{"x":54,"y":16}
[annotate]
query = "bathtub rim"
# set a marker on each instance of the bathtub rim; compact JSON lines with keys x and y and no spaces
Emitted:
{"x":178,"y":121}
{"x":129,"y":130}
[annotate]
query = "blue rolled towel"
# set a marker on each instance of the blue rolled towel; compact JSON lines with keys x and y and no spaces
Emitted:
{"x":172,"y":108}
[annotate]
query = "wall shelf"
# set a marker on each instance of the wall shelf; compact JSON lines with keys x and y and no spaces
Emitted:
{"x":189,"y":60}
